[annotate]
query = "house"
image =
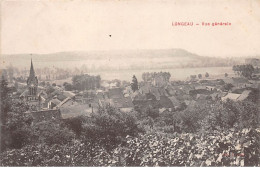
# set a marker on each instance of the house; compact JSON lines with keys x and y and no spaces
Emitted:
{"x":210,"y":88}
{"x":187,"y":88}
{"x":64,"y":102}
{"x":156,"y":91}
{"x":172,"y":90}
{"x":231,"y":96}
{"x":58,"y":88}
{"x":115,"y":93}
{"x":244,"y":95}
{"x":200,"y":87}
{"x":176,"y":103}
{"x":159,"y":81}
{"x":53,"y":103}
{"x":85,"y":97}
{"x":100,"y":95}
{"x":123,"y":104}
{"x":165,"y":104}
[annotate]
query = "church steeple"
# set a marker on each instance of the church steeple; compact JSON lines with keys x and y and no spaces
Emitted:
{"x":32,"y":82}
{"x":32,"y":73}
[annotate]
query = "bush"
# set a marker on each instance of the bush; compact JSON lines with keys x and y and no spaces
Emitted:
{"x":110,"y":130}
{"x":50,"y":133}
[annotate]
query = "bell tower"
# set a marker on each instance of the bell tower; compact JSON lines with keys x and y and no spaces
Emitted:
{"x":32,"y":85}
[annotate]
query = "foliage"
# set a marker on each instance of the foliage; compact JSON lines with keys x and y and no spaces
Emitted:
{"x":68,"y":86}
{"x":230,"y":114}
{"x":229,"y":148}
{"x":16,"y":127}
{"x":50,"y":133}
{"x":85,"y":82}
{"x":226,"y":75}
{"x":151,"y":112}
{"x":227,"y":87}
{"x":75,"y":124}
{"x":110,"y":128}
{"x":134,"y":84}
{"x":244,"y":70}
{"x":50,"y":89}
{"x":151,"y":76}
{"x":193,"y":77}
{"x":5,"y":99}
{"x":210,"y":149}
{"x":72,"y":154}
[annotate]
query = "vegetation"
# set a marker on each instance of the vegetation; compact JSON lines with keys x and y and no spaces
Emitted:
{"x":244,"y":70}
{"x":150,"y":76}
{"x":210,"y":133}
{"x":134,"y":84}
{"x":85,"y":82}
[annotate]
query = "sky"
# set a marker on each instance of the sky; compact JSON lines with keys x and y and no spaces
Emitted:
{"x":86,"y":25}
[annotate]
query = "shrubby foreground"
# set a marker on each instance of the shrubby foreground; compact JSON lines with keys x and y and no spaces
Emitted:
{"x":209,"y":134}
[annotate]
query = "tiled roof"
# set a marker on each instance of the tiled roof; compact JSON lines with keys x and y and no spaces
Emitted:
{"x":124,"y":102}
{"x":165,"y":102}
{"x":174,"y":101}
{"x":55,"y":101}
{"x":115,"y":93}
{"x":231,"y":96}
{"x":244,"y":95}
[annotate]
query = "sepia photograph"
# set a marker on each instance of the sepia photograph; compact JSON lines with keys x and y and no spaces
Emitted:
{"x":130,"y":83}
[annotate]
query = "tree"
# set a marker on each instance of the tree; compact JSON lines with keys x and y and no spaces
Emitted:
{"x":134,"y":84}
{"x":5,"y":105}
{"x":5,"y":102}
{"x":109,"y":129}
{"x":226,"y":75}
{"x":207,"y":74}
{"x":68,"y":87}
{"x":227,"y":87}
{"x":42,"y":83}
{"x":49,"y":90}
{"x":193,"y":77}
{"x":151,"y":112}
{"x":246,"y":70}
{"x":85,"y":82}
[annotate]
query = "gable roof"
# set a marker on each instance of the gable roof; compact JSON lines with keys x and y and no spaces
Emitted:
{"x":244,"y":95}
{"x":165,"y":102}
{"x":125,"y":102}
{"x":174,"y":101}
{"x":63,"y":102}
{"x":115,"y":93}
{"x":55,"y":101}
{"x":231,"y":96}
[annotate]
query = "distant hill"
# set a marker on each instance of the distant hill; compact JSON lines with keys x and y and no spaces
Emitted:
{"x":164,"y":58}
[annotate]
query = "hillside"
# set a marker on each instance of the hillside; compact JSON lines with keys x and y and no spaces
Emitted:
{"x":165,"y":58}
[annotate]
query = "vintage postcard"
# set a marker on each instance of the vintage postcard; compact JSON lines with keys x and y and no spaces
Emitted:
{"x":130,"y":83}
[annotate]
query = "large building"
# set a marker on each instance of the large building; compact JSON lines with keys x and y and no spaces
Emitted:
{"x":32,"y":85}
{"x":31,"y":94}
